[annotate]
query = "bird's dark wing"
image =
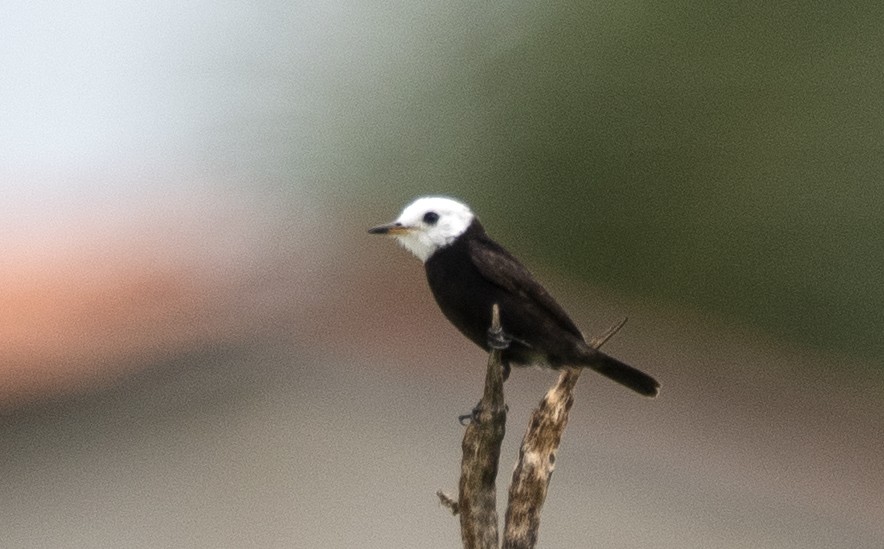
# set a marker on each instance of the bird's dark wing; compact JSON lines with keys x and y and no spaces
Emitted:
{"x":499,"y":266}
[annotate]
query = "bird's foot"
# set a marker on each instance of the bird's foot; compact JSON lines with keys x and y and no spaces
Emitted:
{"x":497,"y":339}
{"x":472,"y":417}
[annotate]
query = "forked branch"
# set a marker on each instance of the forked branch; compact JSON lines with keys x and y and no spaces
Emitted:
{"x":477,"y":499}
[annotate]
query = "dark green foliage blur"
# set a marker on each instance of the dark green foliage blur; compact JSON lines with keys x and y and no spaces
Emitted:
{"x":727,"y":156}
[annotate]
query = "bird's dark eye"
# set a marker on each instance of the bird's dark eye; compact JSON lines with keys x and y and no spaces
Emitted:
{"x":430,"y":218}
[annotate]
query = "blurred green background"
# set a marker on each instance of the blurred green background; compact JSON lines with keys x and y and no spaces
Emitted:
{"x":727,"y":156}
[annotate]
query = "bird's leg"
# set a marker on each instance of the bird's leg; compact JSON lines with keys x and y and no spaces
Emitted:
{"x":498,"y":340}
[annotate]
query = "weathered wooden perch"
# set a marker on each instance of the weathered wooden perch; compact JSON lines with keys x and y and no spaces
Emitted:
{"x":477,"y":500}
{"x":477,"y":497}
{"x":537,"y":456}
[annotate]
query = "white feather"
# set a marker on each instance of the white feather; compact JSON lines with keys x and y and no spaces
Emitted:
{"x":422,"y":238}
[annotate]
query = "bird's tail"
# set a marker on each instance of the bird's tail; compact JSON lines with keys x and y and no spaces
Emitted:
{"x":623,"y":374}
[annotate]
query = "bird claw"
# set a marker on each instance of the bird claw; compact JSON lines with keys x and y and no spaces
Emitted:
{"x":498,"y":340}
{"x":472,"y":417}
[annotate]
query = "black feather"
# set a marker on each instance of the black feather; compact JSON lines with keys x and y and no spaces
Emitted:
{"x":474,"y":272}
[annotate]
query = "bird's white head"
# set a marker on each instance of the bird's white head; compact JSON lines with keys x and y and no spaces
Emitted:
{"x":427,"y":224}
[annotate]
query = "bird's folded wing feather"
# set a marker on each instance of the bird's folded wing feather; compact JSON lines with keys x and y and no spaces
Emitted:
{"x":500,"y":267}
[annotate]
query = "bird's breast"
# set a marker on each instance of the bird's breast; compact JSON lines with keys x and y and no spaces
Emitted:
{"x":462,"y":293}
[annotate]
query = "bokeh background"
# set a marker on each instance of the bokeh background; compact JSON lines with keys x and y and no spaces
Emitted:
{"x":200,"y":346}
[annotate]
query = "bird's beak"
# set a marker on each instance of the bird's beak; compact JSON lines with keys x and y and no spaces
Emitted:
{"x":391,"y":229}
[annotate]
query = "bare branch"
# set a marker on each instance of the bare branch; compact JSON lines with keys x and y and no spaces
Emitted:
{"x":537,"y":456}
{"x":598,"y":341}
{"x":477,"y":500}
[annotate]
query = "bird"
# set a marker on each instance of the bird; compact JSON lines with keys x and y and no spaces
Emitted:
{"x":468,"y":273}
